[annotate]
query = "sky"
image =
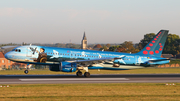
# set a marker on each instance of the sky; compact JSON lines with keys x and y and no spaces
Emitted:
{"x":103,"y":21}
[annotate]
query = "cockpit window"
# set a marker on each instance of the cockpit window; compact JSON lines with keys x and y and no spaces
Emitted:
{"x":16,"y":50}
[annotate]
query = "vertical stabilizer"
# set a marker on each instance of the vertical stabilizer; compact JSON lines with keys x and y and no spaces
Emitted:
{"x":156,"y":45}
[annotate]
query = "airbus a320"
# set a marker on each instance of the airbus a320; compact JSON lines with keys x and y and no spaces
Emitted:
{"x":72,"y":60}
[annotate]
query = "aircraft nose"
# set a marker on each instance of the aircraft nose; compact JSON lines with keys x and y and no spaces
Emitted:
{"x":6,"y":55}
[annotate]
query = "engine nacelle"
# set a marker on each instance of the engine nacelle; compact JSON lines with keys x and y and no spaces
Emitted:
{"x":64,"y":67}
{"x":54,"y":68}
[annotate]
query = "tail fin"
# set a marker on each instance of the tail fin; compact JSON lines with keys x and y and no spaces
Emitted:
{"x":156,"y":45}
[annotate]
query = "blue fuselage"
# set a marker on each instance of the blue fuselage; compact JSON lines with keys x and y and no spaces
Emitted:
{"x":28,"y":54}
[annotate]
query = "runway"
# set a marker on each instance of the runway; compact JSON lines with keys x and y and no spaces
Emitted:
{"x":95,"y":78}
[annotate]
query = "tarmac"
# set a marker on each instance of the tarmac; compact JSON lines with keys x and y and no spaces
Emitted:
{"x":94,"y":78}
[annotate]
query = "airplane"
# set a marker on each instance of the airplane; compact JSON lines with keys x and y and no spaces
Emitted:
{"x":72,"y":60}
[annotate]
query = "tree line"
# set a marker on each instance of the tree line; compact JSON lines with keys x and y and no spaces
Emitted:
{"x":172,"y":45}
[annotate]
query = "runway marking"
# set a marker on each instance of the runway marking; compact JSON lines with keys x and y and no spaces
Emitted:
{"x":75,"y":79}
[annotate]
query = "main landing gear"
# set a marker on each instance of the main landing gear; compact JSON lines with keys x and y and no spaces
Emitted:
{"x":86,"y":74}
{"x":79,"y":73}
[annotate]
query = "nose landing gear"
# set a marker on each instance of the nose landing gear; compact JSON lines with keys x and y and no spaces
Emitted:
{"x":26,"y":71}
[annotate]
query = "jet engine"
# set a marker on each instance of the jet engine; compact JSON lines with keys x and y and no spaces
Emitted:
{"x":64,"y":67}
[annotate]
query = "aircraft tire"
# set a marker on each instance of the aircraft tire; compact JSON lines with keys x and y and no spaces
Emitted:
{"x":79,"y":73}
{"x":87,"y":74}
{"x":26,"y":71}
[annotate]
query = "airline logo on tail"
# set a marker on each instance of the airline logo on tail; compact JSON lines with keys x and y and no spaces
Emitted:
{"x":156,"y":45}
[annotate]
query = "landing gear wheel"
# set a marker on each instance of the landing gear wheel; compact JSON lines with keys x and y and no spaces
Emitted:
{"x":87,"y":74}
{"x":26,"y":71}
{"x":79,"y":73}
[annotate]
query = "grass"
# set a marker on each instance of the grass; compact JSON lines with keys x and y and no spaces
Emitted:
{"x":91,"y":92}
{"x":176,"y":61}
{"x":135,"y":71}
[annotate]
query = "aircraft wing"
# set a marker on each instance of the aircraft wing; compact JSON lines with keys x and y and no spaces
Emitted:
{"x":93,"y":61}
{"x":6,"y":47}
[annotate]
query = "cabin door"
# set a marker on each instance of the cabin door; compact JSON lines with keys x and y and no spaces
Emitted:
{"x":137,"y":60}
{"x":29,"y":52}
